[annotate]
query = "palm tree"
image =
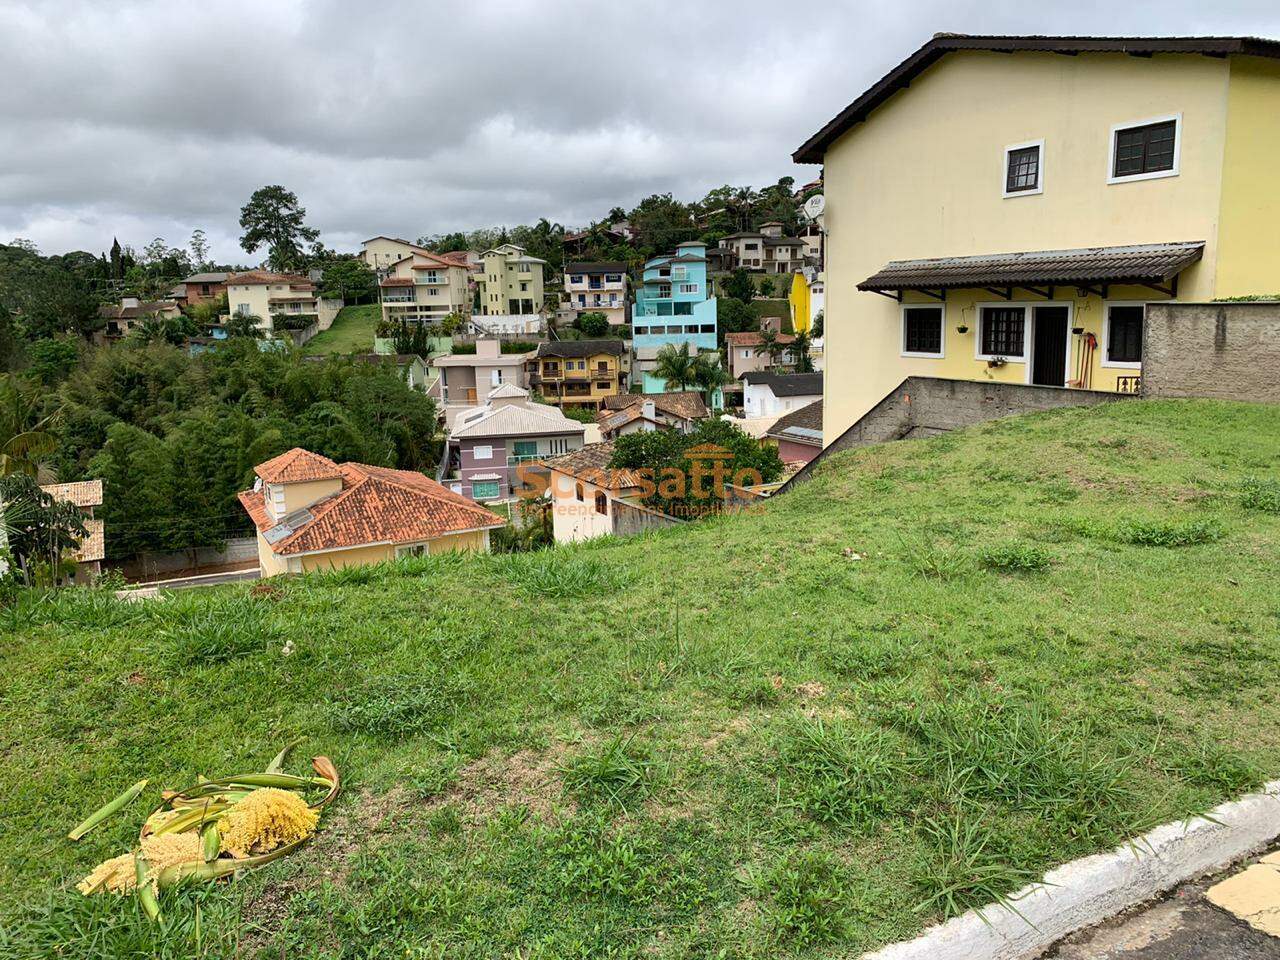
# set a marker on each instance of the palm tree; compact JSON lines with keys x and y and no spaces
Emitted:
{"x":710,"y":375}
{"x":801,"y":346}
{"x":675,"y":365}
{"x":25,"y":438}
{"x":770,"y":344}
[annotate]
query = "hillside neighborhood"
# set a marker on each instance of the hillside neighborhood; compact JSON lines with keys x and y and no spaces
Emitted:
{"x":878,"y":565}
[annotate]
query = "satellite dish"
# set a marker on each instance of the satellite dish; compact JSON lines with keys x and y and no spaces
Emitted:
{"x":814,"y":206}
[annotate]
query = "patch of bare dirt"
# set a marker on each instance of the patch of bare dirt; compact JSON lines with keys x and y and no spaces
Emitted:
{"x":528,"y":778}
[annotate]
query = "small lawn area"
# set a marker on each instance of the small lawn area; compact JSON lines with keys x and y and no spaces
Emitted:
{"x":352,"y":331}
{"x":937,"y":669}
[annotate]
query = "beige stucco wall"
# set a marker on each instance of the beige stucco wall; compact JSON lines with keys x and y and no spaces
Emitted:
{"x":923,"y":177}
{"x":382,"y":252}
{"x":502,"y":277}
{"x":299,"y":495}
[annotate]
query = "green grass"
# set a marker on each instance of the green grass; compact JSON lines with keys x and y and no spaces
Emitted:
{"x":352,"y":331}
{"x":724,"y":740}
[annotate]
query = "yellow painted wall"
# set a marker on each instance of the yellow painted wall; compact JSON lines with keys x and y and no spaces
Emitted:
{"x":304,"y":494}
{"x":268,"y":563}
{"x":379,"y":553}
{"x":800,"y":306}
{"x":923,"y":177}
{"x":1249,"y":236}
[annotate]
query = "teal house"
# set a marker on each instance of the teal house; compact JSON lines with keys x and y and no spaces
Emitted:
{"x":674,"y":305}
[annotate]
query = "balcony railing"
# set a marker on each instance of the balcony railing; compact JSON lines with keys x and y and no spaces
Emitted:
{"x":515,"y":459}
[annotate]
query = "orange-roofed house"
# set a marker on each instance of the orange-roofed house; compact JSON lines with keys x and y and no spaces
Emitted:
{"x":280,"y":301}
{"x":88,"y":556}
{"x":315,"y":514}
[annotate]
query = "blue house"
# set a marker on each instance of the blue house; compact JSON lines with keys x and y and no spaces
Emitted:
{"x":673,"y":306}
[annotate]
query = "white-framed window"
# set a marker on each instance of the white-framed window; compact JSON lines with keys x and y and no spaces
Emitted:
{"x":688,"y":288}
{"x":1122,"y":334}
{"x":412,"y":550}
{"x":613,"y":278}
{"x":1024,"y":169}
{"x":1002,"y":331}
{"x":485,"y":490}
{"x":243,"y":309}
{"x":495,"y":377}
{"x":484,"y":452}
{"x":1145,"y":149}
{"x":924,"y":330}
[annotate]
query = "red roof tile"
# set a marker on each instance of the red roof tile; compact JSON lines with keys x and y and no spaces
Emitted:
{"x":297,"y":465}
{"x":376,"y":505}
{"x":752,"y":338}
{"x":254,"y":277}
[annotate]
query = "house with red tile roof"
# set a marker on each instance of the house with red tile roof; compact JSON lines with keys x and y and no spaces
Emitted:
{"x":314,"y":514}
{"x":280,"y":301}
{"x":747,"y":354}
{"x":88,"y":554}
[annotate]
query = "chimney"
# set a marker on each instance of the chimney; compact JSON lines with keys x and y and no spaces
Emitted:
{"x":649,"y":410}
{"x":129,"y":301}
{"x":488,"y":348}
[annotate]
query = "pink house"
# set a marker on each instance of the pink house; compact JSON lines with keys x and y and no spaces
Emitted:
{"x":798,"y":434}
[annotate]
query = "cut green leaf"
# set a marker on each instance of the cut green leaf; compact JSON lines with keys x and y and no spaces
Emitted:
{"x":107,"y":810}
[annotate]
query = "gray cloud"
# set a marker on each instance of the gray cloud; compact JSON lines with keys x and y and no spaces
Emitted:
{"x":154,"y":118}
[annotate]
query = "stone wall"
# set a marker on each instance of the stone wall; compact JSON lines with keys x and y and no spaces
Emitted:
{"x":150,"y":566}
{"x":1230,"y":351}
{"x":925,"y":406}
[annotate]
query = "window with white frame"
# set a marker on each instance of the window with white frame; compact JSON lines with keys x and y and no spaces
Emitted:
{"x":1122,"y":335}
{"x":688,"y":288}
{"x":1003,"y":332}
{"x":922,"y":331}
{"x":483,"y":452}
{"x":1024,"y":169}
{"x":1146,"y":149}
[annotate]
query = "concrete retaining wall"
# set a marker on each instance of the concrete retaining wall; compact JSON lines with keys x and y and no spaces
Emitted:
{"x":1230,"y":351}
{"x":925,"y":406}
{"x":149,"y":565}
{"x":628,"y":518}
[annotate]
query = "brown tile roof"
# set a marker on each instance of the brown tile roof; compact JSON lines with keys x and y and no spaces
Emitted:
{"x":752,"y":338}
{"x":612,"y":420}
{"x":376,"y":505}
{"x":297,"y":465}
{"x":256,"y":277}
{"x":457,"y":258}
{"x":1150,"y":262}
{"x":900,"y":77}
{"x":83,"y":493}
{"x":398,"y":282}
{"x":144,"y":309}
{"x":800,"y":425}
{"x":687,"y":404}
{"x":591,"y":463}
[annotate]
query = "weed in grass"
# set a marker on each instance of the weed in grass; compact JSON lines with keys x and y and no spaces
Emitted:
{"x":1209,"y":764}
{"x":937,"y":561}
{"x":399,"y":705}
{"x":559,"y":574}
{"x":1168,"y":533}
{"x":620,"y":773}
{"x":1260,"y":494}
{"x":1015,"y":556}
{"x":597,"y":859}
{"x":964,"y":866}
{"x":804,"y":906}
{"x":837,"y":773}
{"x":232,"y":627}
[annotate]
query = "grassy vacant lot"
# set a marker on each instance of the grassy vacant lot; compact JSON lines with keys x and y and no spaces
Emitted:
{"x":935,"y":671}
{"x":353,"y":329}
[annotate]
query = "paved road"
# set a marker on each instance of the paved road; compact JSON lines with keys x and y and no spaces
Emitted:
{"x":204,"y":580}
{"x":1185,"y":926}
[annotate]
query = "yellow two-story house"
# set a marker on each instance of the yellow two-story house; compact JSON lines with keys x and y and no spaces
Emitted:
{"x":579,"y":373}
{"x":425,"y":288}
{"x":1001,"y":209}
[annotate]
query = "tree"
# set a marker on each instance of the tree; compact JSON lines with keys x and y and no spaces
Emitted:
{"x":50,"y":361}
{"x":133,"y":466}
{"x":40,"y":530}
{"x":593,"y":324}
{"x":26,"y":440}
{"x":661,"y":222}
{"x":770,"y":344}
{"x":709,"y":375}
{"x":199,"y":247}
{"x":674,"y":365}
{"x":766,"y":287}
{"x":349,"y":280}
{"x":739,"y":286}
{"x":801,"y":348}
{"x":734,"y":316}
{"x":815,"y":328}
{"x":245,"y":325}
{"x":413,"y":338}
{"x":273,"y":218}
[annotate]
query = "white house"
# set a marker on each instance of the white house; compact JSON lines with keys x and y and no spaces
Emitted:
{"x":766,"y":394}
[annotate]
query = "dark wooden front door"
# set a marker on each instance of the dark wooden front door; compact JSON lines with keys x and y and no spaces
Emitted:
{"x":1049,"y":347}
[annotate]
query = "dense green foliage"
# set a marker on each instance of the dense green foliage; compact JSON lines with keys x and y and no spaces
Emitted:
{"x":174,"y":437}
{"x":730,"y":739}
{"x":274,"y":219}
{"x":39,"y":531}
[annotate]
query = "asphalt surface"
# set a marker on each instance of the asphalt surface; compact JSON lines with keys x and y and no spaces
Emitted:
{"x":1185,"y":926}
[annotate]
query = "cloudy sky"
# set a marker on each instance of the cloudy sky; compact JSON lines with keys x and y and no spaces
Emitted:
{"x":144,"y":120}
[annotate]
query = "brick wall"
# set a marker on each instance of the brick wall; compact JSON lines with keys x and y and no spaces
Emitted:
{"x":1230,"y":351}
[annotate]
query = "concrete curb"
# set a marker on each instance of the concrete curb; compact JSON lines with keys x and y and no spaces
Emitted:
{"x":1087,"y":891}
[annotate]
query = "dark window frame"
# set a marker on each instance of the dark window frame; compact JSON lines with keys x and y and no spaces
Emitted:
{"x":1146,"y":150}
{"x":996,"y":326}
{"x":1015,"y":154}
{"x":1123,"y":347}
{"x":915,"y":342}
